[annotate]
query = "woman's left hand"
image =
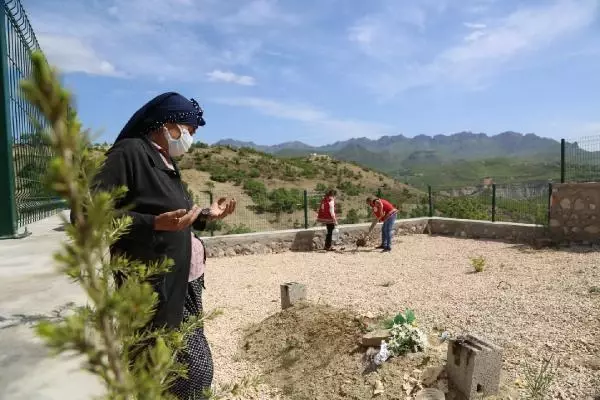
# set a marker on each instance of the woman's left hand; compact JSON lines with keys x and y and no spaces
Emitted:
{"x":222,"y":208}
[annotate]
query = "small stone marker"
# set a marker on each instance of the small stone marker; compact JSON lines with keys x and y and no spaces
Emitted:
{"x":430,"y":394}
{"x":374,"y":338}
{"x":292,"y":293}
{"x":474,"y":366}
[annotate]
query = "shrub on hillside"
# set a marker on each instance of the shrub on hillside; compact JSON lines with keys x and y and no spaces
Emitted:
{"x":321,"y":188}
{"x":254,"y":173}
{"x":236,"y":229}
{"x":352,"y":217}
{"x":199,"y":145}
{"x":255,"y":189}
{"x":350,"y":188}
{"x":314,"y":203}
{"x":463,"y":208}
{"x":285,"y":200}
{"x":219,"y":177}
{"x":421,"y":210}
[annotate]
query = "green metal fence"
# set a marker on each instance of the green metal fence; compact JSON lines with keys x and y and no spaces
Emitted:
{"x":580,"y":160}
{"x":297,"y":209}
{"x":24,"y":155}
{"x":280,"y":209}
{"x":524,"y":203}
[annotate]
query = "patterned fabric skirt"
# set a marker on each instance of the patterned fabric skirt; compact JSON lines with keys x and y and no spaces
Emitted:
{"x":197,"y":356}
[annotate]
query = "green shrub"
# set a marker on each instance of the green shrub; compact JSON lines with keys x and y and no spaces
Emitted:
{"x":352,"y":217}
{"x":285,"y":200}
{"x":236,"y":229}
{"x":478,"y":264}
{"x":255,"y":189}
{"x":350,"y":188}
{"x":314,"y":203}
{"x":219,"y":177}
{"x":321,"y":188}
{"x":463,"y":207}
{"x":199,"y":145}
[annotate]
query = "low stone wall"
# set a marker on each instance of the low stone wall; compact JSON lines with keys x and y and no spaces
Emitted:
{"x":314,"y":238}
{"x":575,"y":212}
{"x":300,"y":239}
{"x":507,"y":231}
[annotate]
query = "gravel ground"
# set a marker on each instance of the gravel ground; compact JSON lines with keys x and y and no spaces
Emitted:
{"x":534,"y":303}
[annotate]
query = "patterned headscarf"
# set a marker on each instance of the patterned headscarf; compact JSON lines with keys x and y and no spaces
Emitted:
{"x":168,"y":107}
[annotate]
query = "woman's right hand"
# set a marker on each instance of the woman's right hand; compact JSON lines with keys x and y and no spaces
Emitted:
{"x":176,"y":220}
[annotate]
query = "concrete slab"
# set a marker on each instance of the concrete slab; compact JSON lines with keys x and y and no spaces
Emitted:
{"x":31,"y":289}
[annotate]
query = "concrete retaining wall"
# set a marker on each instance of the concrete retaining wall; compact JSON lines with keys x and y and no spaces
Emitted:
{"x":313,"y":239}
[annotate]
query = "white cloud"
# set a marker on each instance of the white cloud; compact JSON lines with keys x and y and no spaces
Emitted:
{"x":485,"y":52}
{"x":156,"y":39}
{"x":70,"y":54}
{"x":316,"y":119}
{"x":474,"y":25}
{"x":229,"y":77}
{"x":479,"y":6}
{"x":387,"y":33}
{"x":524,"y":30}
{"x":257,"y":13}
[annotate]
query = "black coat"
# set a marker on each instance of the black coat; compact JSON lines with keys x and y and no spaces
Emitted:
{"x":153,"y":189}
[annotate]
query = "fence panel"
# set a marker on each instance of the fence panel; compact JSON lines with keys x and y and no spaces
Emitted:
{"x":285,"y":208}
{"x":259,"y":211}
{"x":27,"y":154}
{"x":524,"y":203}
{"x":463,"y":203}
{"x":581,"y":159}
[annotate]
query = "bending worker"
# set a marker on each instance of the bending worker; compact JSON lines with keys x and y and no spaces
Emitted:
{"x":385,"y":212}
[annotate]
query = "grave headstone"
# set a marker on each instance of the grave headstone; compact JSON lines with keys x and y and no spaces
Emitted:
{"x":291,"y":294}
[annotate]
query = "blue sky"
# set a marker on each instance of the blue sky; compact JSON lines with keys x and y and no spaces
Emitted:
{"x":326,"y":70}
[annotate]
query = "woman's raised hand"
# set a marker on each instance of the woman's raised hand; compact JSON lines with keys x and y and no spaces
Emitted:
{"x":176,"y":220}
{"x":222,"y":208}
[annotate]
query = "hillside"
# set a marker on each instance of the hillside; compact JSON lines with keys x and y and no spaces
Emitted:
{"x":269,"y":189}
{"x":471,"y":172}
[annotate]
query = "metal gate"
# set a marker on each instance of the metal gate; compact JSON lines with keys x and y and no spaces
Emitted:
{"x":24,"y":154}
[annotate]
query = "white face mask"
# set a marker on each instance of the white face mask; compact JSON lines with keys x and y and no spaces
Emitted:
{"x":178,"y":147}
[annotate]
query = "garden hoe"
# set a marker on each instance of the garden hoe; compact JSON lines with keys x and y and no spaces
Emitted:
{"x":362,"y":241}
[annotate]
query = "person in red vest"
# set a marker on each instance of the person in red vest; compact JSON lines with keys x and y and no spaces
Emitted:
{"x":326,"y":215}
{"x":385,"y":212}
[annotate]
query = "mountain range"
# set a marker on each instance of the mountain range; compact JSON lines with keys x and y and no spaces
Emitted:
{"x":390,"y":153}
{"x":462,"y":158}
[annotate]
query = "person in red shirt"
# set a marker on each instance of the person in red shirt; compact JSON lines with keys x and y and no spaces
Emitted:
{"x":326,"y":215}
{"x":385,"y":212}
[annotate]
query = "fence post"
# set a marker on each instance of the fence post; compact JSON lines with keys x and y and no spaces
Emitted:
{"x":210,"y":201}
{"x":549,"y":202}
{"x":493,"y":202}
{"x":8,"y":212}
{"x":305,"y":209}
{"x":562,"y":160}
{"x":430,"y":201}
